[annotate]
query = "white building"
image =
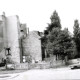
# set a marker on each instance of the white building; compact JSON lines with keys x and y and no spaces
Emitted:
{"x":10,"y":36}
{"x":17,"y":42}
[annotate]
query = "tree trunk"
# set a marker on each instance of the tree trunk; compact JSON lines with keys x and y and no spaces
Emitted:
{"x":45,"y":54}
{"x":66,"y":59}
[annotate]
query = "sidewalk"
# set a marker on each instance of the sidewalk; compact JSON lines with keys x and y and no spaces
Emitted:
{"x":8,"y":76}
{"x":11,"y":71}
{"x":4,"y":71}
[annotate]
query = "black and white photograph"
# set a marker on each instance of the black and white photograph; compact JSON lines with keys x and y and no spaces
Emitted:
{"x":39,"y":39}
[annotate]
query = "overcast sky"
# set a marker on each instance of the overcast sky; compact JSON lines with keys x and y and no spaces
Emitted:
{"x":36,"y":13}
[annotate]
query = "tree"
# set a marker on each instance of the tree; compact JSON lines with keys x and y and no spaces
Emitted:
{"x":52,"y":41}
{"x":75,"y":27}
{"x":55,"y":21}
{"x":67,"y":45}
{"x":77,"y":36}
{"x":60,"y":43}
{"x":56,"y":41}
{"x":43,"y":44}
{"x":52,"y":32}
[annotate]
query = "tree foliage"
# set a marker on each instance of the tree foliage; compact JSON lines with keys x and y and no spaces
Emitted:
{"x":55,"y":21}
{"x":56,"y":41}
{"x":60,"y":42}
{"x":77,"y":36}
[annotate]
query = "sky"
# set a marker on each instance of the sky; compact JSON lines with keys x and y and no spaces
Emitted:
{"x":36,"y":13}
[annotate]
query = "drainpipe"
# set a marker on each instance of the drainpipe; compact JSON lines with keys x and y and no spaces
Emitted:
{"x":21,"y":50}
{"x":22,"y":32}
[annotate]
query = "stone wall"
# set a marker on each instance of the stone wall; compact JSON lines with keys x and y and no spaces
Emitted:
{"x":32,"y":46}
{"x":73,"y":61}
{"x":2,"y":39}
{"x":12,"y":24}
{"x":21,"y":66}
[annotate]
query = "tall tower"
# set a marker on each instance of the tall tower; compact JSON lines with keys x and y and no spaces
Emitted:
{"x":12,"y":28}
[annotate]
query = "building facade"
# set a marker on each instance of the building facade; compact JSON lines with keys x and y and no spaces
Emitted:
{"x":17,"y":43}
{"x":11,"y":35}
{"x":32,"y":46}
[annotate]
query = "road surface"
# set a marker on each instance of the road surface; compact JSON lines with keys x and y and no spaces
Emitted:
{"x":45,"y":74}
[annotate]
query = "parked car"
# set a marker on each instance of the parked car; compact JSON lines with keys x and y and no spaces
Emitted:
{"x":75,"y":66}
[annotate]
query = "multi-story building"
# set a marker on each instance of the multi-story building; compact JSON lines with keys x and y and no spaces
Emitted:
{"x":16,"y":42}
{"x":10,"y":37}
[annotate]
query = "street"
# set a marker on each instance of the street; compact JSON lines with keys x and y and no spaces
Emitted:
{"x":45,"y":74}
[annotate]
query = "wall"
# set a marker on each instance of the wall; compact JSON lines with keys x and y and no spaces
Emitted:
{"x":2,"y":39}
{"x":21,"y":66}
{"x":22,"y":34}
{"x":11,"y":36}
{"x":12,"y":24}
{"x":1,"y":36}
{"x":32,"y":46}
